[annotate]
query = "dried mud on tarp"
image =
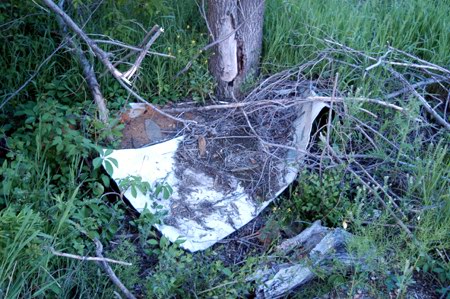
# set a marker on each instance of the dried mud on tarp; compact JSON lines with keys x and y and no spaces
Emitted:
{"x":224,"y":170}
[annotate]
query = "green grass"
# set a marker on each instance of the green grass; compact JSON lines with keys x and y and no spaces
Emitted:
{"x":294,"y":30}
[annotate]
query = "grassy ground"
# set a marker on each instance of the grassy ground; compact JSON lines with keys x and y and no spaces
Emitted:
{"x":45,"y":203}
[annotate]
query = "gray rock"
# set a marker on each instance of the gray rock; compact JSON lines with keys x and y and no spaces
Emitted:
{"x":153,"y":131}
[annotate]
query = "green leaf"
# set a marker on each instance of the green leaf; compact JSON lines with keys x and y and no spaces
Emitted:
{"x":152,"y":242}
{"x":133,"y":191}
{"x":97,"y":162}
{"x":109,"y":168}
{"x":227,"y":272}
{"x":108,"y":152}
{"x":163,"y":242}
{"x":114,"y":161}
{"x":105,"y":180}
{"x":166,"y":193}
{"x":158,"y":190}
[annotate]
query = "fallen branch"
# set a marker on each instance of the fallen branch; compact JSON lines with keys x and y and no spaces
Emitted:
{"x":104,"y":58}
{"x":110,"y":272}
{"x":88,"y":73}
{"x":132,"y":48}
{"x":424,"y":102}
{"x":157,"y":32}
{"x":284,"y":102}
{"x":87,"y":258}
{"x":435,"y":66}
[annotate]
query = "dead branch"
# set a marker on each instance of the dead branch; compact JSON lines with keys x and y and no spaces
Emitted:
{"x":424,"y":102}
{"x":87,"y":258}
{"x":128,"y":47}
{"x":104,"y":58}
{"x":435,"y":66}
{"x":110,"y":272}
{"x":157,"y":32}
{"x":286,"y":101}
{"x":88,"y":72}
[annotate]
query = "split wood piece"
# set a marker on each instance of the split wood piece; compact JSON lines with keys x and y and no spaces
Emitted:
{"x":157,"y":32}
{"x":307,"y":239}
{"x":326,"y":246}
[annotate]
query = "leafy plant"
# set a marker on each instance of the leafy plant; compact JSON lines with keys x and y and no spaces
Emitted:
{"x":319,"y":196}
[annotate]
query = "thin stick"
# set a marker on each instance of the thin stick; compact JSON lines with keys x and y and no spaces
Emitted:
{"x":437,"y":67}
{"x":87,"y":258}
{"x":144,"y":51}
{"x":135,"y":49}
{"x":284,"y":101}
{"x":424,"y":102}
{"x":379,"y":62}
{"x":218,"y":286}
{"x":110,"y":272}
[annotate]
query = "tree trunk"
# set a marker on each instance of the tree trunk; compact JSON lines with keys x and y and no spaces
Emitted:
{"x":237,"y":26}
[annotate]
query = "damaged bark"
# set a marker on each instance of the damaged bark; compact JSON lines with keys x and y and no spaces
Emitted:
{"x":238,"y":24}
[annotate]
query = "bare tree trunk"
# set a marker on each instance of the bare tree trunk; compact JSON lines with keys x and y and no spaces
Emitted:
{"x":238,"y":25}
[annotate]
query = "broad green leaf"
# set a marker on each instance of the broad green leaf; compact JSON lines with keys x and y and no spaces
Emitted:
{"x":108,"y":152}
{"x":109,"y":168}
{"x":114,"y":161}
{"x":152,"y":242}
{"x":166,"y":193}
{"x":97,"y":162}
{"x":133,"y":191}
{"x":105,"y":180}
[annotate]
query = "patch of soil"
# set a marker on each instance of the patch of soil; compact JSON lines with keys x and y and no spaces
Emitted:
{"x":144,"y":126}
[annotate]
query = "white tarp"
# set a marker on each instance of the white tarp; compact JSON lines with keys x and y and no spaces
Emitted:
{"x":209,"y":214}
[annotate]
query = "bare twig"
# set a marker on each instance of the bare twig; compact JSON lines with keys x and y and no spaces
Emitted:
{"x":424,"y":102}
{"x":218,"y":286}
{"x":435,"y":66}
{"x":285,"y":102}
{"x":135,"y":49}
{"x":379,"y":62}
{"x":87,"y":258}
{"x":144,"y":51}
{"x":416,"y":85}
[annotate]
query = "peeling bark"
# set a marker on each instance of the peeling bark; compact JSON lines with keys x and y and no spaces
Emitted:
{"x":238,"y":24}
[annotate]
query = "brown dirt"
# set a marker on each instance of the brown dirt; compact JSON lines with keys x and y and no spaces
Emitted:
{"x":135,"y":134}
